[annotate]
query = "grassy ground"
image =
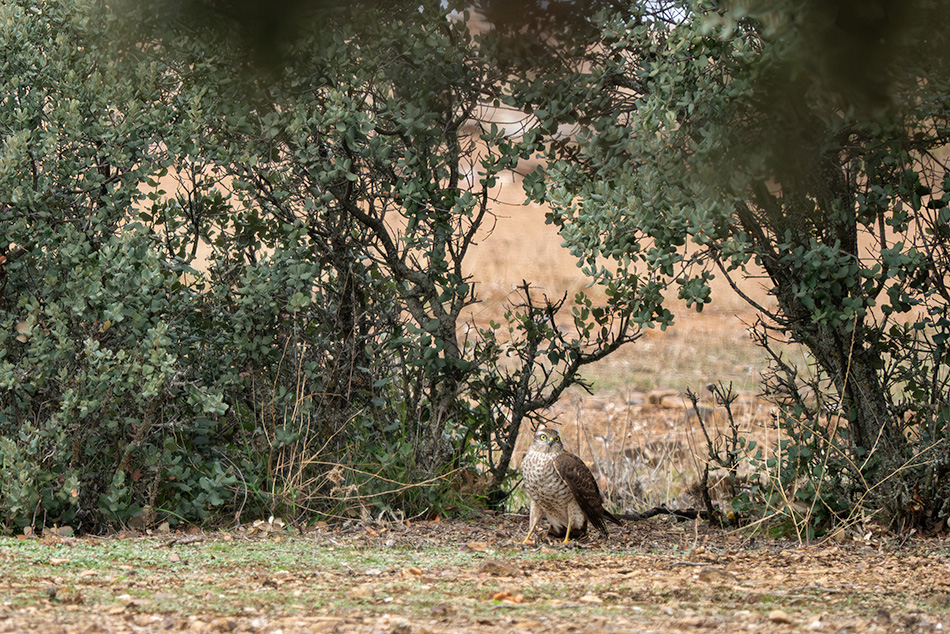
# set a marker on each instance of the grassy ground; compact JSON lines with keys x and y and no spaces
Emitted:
{"x":475,"y":576}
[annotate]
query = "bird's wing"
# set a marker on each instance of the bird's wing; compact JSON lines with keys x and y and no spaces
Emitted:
{"x":583,"y":486}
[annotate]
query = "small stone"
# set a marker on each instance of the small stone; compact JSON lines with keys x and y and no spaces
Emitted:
{"x":496,"y":568}
{"x":400,"y":626}
{"x":222,"y":624}
{"x":657,"y":397}
{"x":780,"y":616}
{"x":716,"y":574}
{"x":508,"y":597}
{"x":364,"y":591}
{"x":146,"y":620}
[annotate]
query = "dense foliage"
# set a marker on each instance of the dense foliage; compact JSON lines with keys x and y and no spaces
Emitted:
{"x":232,"y":287}
{"x":232,"y":244}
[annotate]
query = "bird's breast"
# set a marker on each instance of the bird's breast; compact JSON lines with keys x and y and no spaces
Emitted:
{"x":542,"y":481}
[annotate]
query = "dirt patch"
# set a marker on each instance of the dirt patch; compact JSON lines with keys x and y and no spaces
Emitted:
{"x":476,"y":576}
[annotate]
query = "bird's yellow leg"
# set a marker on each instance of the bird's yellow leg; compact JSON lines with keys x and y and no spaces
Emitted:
{"x":567,"y":534}
{"x":528,"y":537}
{"x":533,"y":521}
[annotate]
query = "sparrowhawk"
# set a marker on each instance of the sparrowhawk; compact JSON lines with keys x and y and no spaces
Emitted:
{"x":562,"y":488}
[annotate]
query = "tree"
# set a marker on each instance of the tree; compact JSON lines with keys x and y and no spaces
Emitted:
{"x":805,"y":138}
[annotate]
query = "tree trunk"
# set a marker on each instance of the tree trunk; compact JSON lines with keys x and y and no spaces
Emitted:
{"x":841,"y":349}
{"x":853,"y":366}
{"x":843,"y":352}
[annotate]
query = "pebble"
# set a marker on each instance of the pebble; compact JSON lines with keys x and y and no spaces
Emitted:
{"x":779,"y":616}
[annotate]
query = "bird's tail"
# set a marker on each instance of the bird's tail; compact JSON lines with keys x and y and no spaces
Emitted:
{"x":613,"y":518}
{"x":601,"y":525}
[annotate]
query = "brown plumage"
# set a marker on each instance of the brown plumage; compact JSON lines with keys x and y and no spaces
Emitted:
{"x":561,"y":488}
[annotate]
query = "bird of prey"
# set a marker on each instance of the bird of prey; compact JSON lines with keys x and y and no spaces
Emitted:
{"x":561,"y":488}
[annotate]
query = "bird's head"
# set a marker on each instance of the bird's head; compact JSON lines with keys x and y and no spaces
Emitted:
{"x":547,"y":441}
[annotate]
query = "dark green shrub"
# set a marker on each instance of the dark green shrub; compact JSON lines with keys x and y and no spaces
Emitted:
{"x":280,"y":332}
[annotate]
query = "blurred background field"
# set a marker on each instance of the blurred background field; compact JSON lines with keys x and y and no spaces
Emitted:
{"x":637,"y":429}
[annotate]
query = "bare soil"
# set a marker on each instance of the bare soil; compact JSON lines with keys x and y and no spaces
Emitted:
{"x":476,"y":576}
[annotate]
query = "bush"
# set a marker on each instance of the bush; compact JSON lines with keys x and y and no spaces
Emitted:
{"x":280,"y":332}
{"x":94,"y":384}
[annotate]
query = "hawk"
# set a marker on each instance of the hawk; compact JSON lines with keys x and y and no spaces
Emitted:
{"x":562,"y":488}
